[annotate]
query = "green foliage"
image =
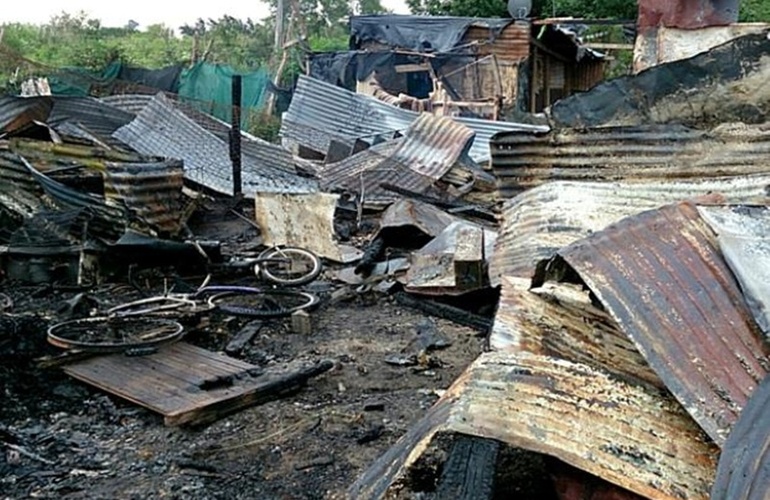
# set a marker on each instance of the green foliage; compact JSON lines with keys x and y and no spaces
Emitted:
{"x":263,"y":126}
{"x":240,"y":44}
{"x":754,"y":11}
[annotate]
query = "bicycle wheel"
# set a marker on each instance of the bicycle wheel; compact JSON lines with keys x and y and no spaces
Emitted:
{"x":263,"y":303}
{"x":114,"y":333}
{"x":154,"y":305}
{"x":289,"y":266}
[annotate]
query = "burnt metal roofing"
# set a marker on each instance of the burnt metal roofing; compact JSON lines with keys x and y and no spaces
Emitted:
{"x":636,"y":438}
{"x":654,"y":152}
{"x":162,"y":130}
{"x":559,"y":320}
{"x":89,"y":113}
{"x":320,"y":112}
{"x":433,"y":144}
{"x":17,"y":113}
{"x":743,"y":233}
{"x":152,"y":193}
{"x":744,"y":466}
{"x":431,"y":147}
{"x":254,"y":148}
{"x":19,"y":191}
{"x":662,"y":278}
{"x":538,"y":222}
{"x":364,"y":172}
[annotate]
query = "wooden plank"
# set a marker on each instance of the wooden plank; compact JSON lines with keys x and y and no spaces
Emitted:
{"x":411,"y":68}
{"x":610,"y":46}
{"x":173,"y":381}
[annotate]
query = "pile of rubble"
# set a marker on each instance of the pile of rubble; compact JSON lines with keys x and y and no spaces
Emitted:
{"x":627,"y":246}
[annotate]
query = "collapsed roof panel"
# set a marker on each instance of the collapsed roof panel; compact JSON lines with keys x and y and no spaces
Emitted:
{"x":542,"y":220}
{"x":320,"y":113}
{"x":559,"y":320}
{"x":162,"y":130}
{"x":725,"y":84}
{"x":254,"y":148}
{"x":19,"y":113}
{"x":91,"y":115}
{"x":661,"y":276}
{"x":638,"y":439}
{"x":152,"y":193}
{"x":650,"y":152}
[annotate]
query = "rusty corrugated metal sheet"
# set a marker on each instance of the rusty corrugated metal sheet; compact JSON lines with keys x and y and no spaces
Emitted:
{"x":559,"y":320}
{"x":743,"y":233}
{"x":431,"y":147}
{"x":433,"y":144}
{"x":688,"y":14}
{"x":364,"y":172}
{"x":639,"y":439}
{"x":17,"y":113}
{"x":510,"y":45}
{"x":522,"y":161}
{"x":661,"y":277}
{"x":538,"y":222}
{"x":151,"y":191}
{"x":162,"y":130}
{"x":744,"y":466}
{"x":320,"y":112}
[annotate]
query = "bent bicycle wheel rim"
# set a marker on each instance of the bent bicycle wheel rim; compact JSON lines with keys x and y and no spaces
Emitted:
{"x":291,"y":266}
{"x":103,"y":334}
{"x":264,"y":304}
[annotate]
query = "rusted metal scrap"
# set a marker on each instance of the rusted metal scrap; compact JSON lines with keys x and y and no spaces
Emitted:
{"x":744,"y":466}
{"x":638,"y":439}
{"x":633,"y":154}
{"x":540,"y":221}
{"x":661,"y":276}
{"x":559,"y":320}
{"x":689,"y":14}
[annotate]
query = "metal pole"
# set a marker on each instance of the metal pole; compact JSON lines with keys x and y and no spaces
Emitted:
{"x":235,"y":135}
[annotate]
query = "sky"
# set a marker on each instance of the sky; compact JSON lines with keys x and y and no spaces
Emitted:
{"x":146,"y":12}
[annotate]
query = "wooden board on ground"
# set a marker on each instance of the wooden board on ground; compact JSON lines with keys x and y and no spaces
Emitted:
{"x":187,"y":384}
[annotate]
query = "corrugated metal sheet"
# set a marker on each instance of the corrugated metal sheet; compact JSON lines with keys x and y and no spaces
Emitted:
{"x":661,"y":277}
{"x":17,"y":113}
{"x":91,"y":114}
{"x":559,"y":320}
{"x":538,"y":222}
{"x":364,"y":172}
{"x":743,"y":233}
{"x":162,"y":130}
{"x":638,"y":439}
{"x":688,"y":14}
{"x":433,"y":144}
{"x":431,"y":147}
{"x":19,"y":191}
{"x":320,"y":112}
{"x":744,"y":466}
{"x":511,"y":44}
{"x":257,"y":150}
{"x":152,"y":192}
{"x":130,"y":103}
{"x":523,"y":161}
{"x":104,"y":220}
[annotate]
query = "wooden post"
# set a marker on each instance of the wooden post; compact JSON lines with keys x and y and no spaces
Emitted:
{"x":235,"y":135}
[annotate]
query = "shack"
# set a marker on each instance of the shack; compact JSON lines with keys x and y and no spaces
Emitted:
{"x":460,"y":66}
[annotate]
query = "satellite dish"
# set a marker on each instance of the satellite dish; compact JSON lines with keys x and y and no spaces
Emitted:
{"x":519,"y":9}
